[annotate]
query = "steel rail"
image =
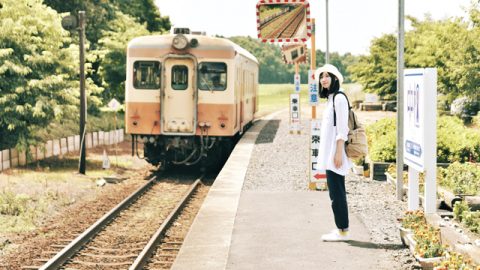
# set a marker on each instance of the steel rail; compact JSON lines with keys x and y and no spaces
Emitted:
{"x":58,"y":260}
{"x":296,"y":21}
{"x":147,"y":252}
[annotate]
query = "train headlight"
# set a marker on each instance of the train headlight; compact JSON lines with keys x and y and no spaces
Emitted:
{"x":180,"y":42}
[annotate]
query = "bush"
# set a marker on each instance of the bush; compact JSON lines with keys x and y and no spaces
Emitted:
{"x":461,"y":178}
{"x":382,"y":140}
{"x":455,"y":142}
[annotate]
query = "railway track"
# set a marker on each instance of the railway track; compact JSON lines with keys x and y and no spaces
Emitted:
{"x":285,"y":25}
{"x":140,"y":230}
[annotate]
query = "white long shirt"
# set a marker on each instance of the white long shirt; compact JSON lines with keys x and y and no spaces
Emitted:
{"x":330,"y":134}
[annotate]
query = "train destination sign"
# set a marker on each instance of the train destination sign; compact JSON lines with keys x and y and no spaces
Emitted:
{"x":283,"y":20}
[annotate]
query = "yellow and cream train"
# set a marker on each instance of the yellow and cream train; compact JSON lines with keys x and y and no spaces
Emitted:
{"x":188,"y":97}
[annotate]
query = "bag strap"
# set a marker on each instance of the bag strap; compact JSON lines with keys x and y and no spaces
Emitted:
{"x":335,"y":114}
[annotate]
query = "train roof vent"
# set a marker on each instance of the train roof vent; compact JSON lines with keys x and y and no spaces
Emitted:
{"x":184,"y":31}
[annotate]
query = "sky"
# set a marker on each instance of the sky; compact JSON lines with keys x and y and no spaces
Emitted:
{"x":352,"y":23}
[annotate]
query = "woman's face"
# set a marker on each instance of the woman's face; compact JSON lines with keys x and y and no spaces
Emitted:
{"x":325,"y":80}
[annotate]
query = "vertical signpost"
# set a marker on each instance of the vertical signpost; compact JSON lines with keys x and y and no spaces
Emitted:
{"x":420,"y":137}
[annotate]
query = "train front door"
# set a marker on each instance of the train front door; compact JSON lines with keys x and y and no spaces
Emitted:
{"x":179,"y":98}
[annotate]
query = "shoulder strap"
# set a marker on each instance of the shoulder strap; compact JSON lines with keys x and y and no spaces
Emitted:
{"x":334,"y":113}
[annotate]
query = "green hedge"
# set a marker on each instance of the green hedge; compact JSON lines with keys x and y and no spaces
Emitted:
{"x":455,"y":142}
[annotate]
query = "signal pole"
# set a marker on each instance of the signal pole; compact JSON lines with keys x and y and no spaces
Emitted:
{"x":400,"y":98}
{"x":327,"y":52}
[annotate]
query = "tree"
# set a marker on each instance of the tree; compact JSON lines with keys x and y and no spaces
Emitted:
{"x":377,"y":71}
{"x":113,"y":54}
{"x":35,"y":70}
{"x":38,"y":71}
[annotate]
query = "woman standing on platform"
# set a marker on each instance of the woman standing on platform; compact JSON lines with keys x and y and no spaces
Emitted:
{"x":332,"y":157}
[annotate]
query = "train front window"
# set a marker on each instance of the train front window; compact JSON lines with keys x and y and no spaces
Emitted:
{"x":212,"y":76}
{"x":146,"y":75}
{"x":179,"y":77}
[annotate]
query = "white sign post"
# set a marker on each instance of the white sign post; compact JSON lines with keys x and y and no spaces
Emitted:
{"x":318,"y":178}
{"x":420,"y":134}
{"x":295,"y":113}
{"x":296,"y":81}
{"x":312,"y":89}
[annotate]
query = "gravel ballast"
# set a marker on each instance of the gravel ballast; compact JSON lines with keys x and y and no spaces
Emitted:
{"x":279,"y":162}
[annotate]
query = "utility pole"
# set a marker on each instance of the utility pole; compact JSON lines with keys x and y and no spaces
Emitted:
{"x":71,"y":23}
{"x":327,"y":52}
{"x":400,"y":98}
{"x":83,"y":101}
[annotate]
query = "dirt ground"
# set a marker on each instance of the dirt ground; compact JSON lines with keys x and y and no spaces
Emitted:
{"x":32,"y":199}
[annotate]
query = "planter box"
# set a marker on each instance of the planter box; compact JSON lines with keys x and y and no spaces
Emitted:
{"x":403,"y":235}
{"x":426,"y":263}
{"x":358,"y":170}
{"x":378,"y":169}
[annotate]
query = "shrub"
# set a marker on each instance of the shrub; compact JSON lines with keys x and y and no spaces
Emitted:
{"x":455,"y":142}
{"x":461,"y":178}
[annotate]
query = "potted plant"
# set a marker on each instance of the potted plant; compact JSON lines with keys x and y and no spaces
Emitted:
{"x":428,"y":248}
{"x":411,"y":221}
{"x":454,"y":260}
{"x":358,"y":166}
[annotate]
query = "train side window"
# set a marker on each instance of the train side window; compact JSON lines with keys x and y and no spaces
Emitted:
{"x":146,"y":75}
{"x":179,"y":77}
{"x":212,"y":76}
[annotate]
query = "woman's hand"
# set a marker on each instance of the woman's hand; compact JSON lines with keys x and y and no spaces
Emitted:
{"x":338,"y":158}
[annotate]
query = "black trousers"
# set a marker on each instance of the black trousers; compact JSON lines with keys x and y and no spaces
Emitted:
{"x":338,"y":196}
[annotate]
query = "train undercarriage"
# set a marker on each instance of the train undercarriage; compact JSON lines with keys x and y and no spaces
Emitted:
{"x":165,"y":151}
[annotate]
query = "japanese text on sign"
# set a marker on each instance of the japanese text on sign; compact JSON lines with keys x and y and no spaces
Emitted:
{"x":312,"y":89}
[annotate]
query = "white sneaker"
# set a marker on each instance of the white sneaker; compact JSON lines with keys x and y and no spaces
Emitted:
{"x":336,"y":236}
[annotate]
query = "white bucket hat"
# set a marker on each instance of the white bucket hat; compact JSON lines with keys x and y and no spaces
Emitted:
{"x":329,"y":68}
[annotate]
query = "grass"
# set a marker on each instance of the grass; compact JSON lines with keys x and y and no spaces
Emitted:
{"x":274,"y":97}
{"x":28,"y":195}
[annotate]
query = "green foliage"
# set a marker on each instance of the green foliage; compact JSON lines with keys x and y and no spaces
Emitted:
{"x":13,"y":204}
{"x":35,"y":71}
{"x":461,"y":178}
{"x":382,"y":140}
{"x":274,"y":71}
{"x":455,"y":142}
{"x":113,"y":54}
{"x":146,"y":12}
{"x":450,"y":45}
{"x":462,"y":213}
{"x":377,"y":71}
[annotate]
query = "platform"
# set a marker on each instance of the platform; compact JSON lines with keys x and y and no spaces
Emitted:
{"x":239,"y":228}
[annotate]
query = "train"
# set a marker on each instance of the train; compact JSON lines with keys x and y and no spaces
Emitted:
{"x":188,"y":97}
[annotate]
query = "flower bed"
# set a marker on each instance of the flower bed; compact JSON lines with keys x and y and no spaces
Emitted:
{"x":423,"y":240}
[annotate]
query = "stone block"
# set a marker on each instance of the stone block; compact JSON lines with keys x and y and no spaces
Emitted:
{"x":13,"y":157}
{"x":101,"y":138}
{"x":48,"y":149}
{"x":63,"y":146}
{"x":88,"y":139}
{"x":71,"y":143}
{"x":95,"y":139}
{"x":56,"y":147}
{"x":5,"y":159}
{"x":77,"y":142}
